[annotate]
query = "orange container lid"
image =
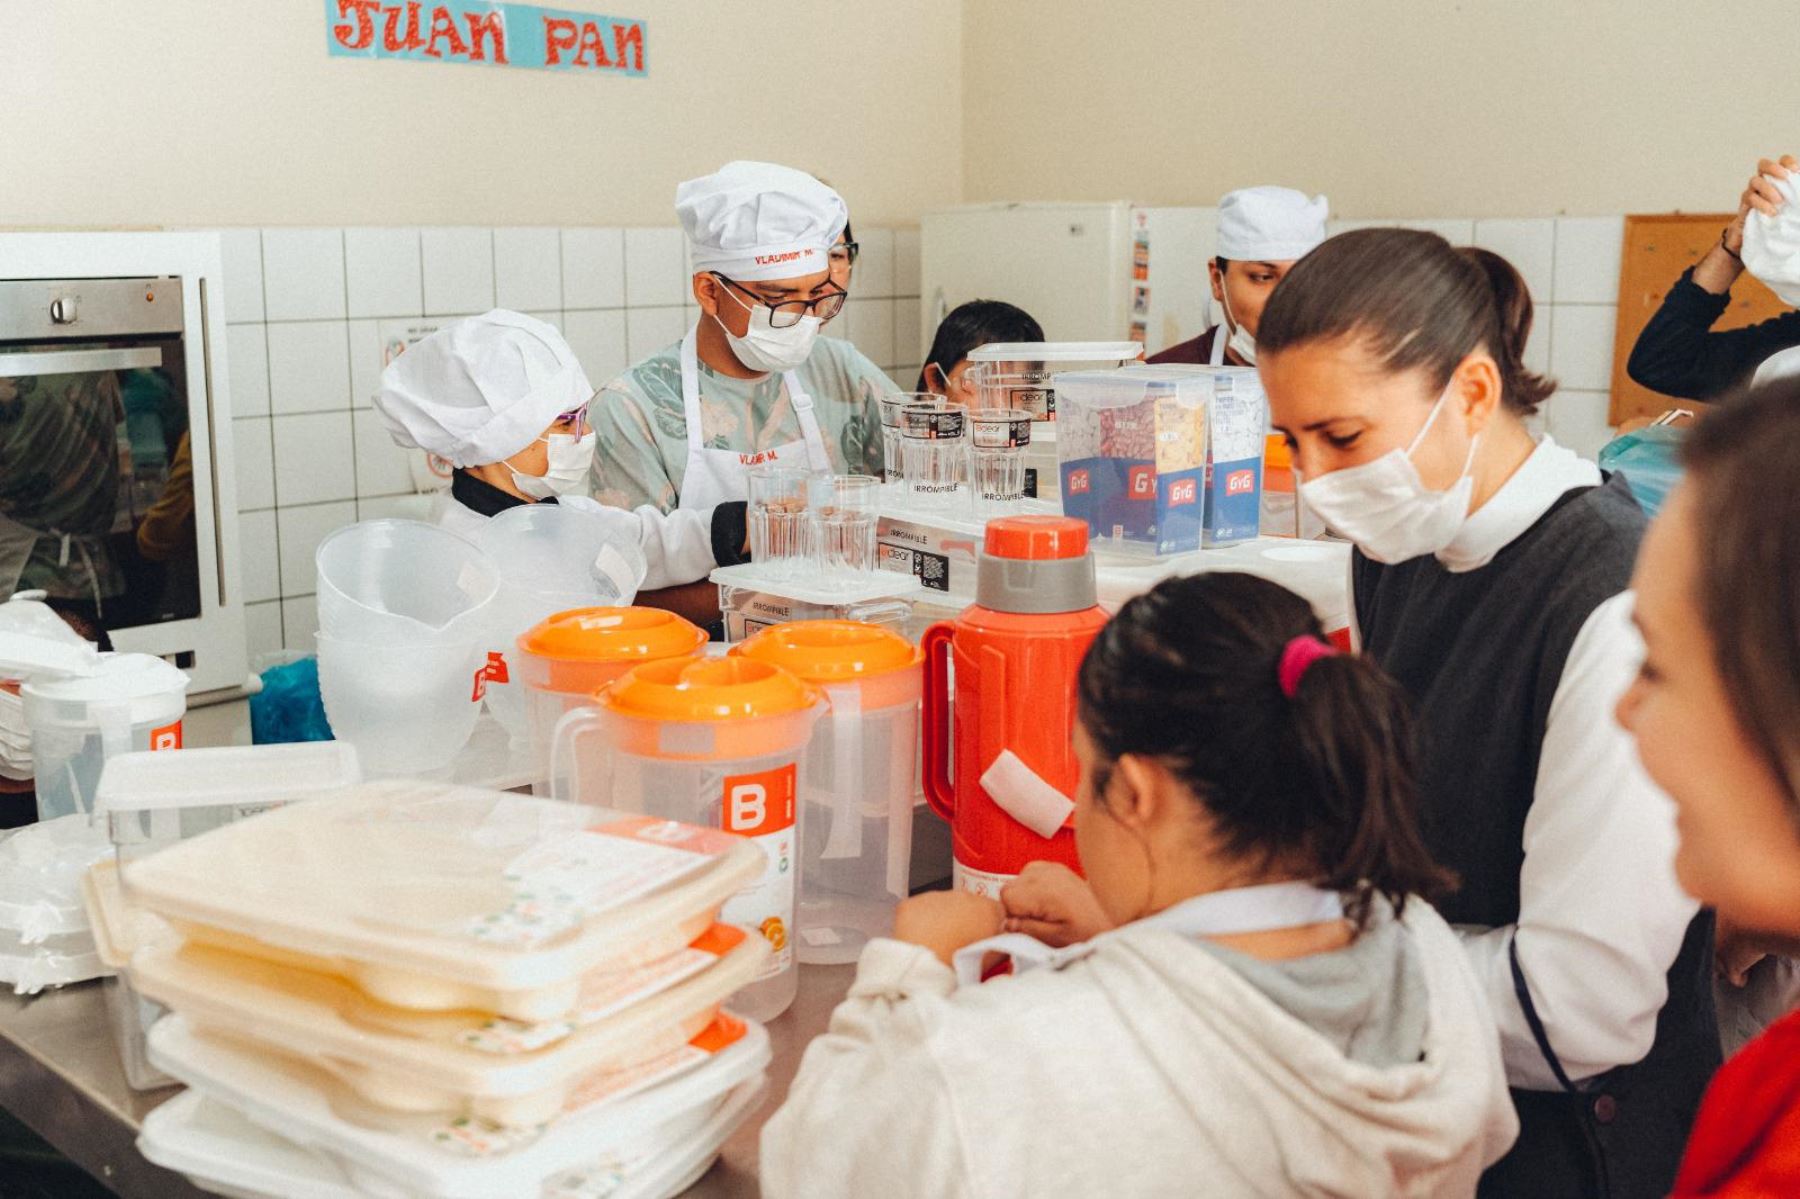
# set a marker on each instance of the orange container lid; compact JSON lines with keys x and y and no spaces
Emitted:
{"x":708,"y":689}
{"x":1036,"y":538}
{"x":1276,"y":455}
{"x":831,"y":651}
{"x":612,"y":635}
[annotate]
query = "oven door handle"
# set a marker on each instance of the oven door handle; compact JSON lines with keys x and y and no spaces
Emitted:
{"x":74,"y":362}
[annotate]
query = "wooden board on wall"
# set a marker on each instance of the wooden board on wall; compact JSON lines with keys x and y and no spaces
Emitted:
{"x":1657,"y":250}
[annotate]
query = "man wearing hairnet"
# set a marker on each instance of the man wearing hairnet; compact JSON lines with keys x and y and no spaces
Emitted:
{"x":1263,"y":231}
{"x":503,"y":400}
{"x":752,"y":382}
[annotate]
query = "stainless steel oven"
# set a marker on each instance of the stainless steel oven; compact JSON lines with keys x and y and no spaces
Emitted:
{"x":115,"y":495}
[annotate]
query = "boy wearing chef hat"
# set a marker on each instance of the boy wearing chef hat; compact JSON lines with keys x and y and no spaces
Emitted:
{"x":502,"y":399}
{"x":1263,"y":231}
{"x":752,"y":381}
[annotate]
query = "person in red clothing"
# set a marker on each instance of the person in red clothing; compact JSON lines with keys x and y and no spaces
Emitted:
{"x":1714,"y":715}
{"x":1263,"y":231}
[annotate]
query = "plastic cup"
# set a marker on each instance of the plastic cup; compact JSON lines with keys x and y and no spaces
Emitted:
{"x":843,"y":522}
{"x":893,"y":410}
{"x":777,"y":518}
{"x":997,"y":441}
{"x":936,"y":452}
{"x":408,"y":709}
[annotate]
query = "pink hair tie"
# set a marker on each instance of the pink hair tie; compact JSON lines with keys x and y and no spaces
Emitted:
{"x":1298,"y":658}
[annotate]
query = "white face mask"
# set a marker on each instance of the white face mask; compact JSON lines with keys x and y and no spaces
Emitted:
{"x":766,"y":348}
{"x":1243,"y":342}
{"x":570,"y":458}
{"x":1386,"y":509}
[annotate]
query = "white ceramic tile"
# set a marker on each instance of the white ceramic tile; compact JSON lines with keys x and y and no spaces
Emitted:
{"x":871,"y":328}
{"x":241,"y":250}
{"x":527,"y":269}
{"x":1530,"y":245}
{"x":598,"y":339}
{"x":906,"y":262}
{"x":300,"y":624}
{"x":1335,"y":226}
{"x":874,"y":275}
{"x":257,"y":556}
{"x":253,"y":451}
{"x":399,"y":507}
{"x":247,"y":352}
{"x":382,"y":273}
{"x":655,"y":267}
{"x":313,"y":460}
{"x":593,"y":268}
{"x":1588,"y":252}
{"x":553,"y":319}
{"x":365,"y":362}
{"x":906,"y":331}
{"x":1581,"y":345}
{"x":459,"y":270}
{"x":1538,"y":345}
{"x":382,"y":468}
{"x":309,"y":367}
{"x":301,"y":530}
{"x":303,"y":274}
{"x":262,"y":630}
{"x":1537,"y":424}
{"x":1578,"y":419}
{"x":648,"y":330}
{"x":1456,"y":232}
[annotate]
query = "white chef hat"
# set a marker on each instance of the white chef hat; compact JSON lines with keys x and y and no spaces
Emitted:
{"x":757,"y":220}
{"x":1772,"y":244}
{"x":483,"y":389}
{"x":1270,"y":224}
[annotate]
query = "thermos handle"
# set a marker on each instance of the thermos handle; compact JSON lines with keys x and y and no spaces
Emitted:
{"x":568,"y":730}
{"x":934,"y":722}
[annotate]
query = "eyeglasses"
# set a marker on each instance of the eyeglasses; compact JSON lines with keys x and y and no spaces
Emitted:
{"x":784,"y":314}
{"x":845,"y":253}
{"x":573,"y":416}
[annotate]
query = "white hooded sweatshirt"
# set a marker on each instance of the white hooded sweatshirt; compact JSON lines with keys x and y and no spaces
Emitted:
{"x":1147,"y":1067}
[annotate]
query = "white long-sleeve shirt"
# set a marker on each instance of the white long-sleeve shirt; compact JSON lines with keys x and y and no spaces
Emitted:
{"x":1601,"y":917}
{"x":677,"y":545}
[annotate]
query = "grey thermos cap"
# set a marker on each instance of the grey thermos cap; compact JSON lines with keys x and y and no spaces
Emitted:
{"x":1031,"y":586}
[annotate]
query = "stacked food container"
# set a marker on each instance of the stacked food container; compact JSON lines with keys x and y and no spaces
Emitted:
{"x":413,"y":988}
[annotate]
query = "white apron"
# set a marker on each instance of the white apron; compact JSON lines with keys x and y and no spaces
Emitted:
{"x":715,"y":477}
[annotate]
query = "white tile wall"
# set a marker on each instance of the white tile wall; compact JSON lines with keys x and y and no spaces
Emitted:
{"x":1581,"y":345}
{"x":312,"y":311}
{"x":1578,"y":419}
{"x":1588,"y":254}
{"x":1529,"y":245}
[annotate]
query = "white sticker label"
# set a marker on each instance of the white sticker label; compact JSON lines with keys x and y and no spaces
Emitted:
{"x":618,"y":572}
{"x":978,"y":882}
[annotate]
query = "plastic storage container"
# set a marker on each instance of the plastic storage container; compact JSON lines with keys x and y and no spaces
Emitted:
{"x":269,"y":1125}
{"x":408,"y":709}
{"x":46,"y":938}
{"x":131,"y":702}
{"x":437,"y":897}
{"x":716,"y":742}
{"x":751,"y":599}
{"x":1017,"y":374}
{"x":561,"y":661}
{"x":856,"y":785}
{"x":120,"y":929}
{"x":151,"y":801}
{"x":1237,"y":427}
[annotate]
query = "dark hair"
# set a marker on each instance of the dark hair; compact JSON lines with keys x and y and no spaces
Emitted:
{"x":1747,"y":490}
{"x":974,"y":324}
{"x":1188,"y":674}
{"x":1415,"y":301}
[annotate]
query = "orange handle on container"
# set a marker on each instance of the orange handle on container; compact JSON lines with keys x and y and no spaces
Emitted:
{"x":934,"y":728}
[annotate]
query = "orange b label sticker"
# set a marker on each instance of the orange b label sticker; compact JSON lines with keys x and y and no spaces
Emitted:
{"x":761,"y":803}
{"x":167,"y":737}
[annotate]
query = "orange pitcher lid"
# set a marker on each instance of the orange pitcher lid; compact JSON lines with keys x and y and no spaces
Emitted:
{"x":612,"y":635}
{"x":1276,"y":454}
{"x":831,"y":651}
{"x":704,"y":689}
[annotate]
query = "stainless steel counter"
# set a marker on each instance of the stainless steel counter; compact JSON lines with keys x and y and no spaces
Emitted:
{"x":60,"y":1074}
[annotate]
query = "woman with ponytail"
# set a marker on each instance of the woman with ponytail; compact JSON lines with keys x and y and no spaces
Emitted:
{"x":1269,"y":1006}
{"x":1490,"y":579}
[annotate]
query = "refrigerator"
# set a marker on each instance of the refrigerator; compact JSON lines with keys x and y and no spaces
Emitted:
{"x":1087,"y":272}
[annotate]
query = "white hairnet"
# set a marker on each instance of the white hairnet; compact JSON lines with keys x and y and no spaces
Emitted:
{"x":757,"y":220}
{"x":1270,"y":224}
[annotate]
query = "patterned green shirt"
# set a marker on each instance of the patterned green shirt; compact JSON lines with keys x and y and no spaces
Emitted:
{"x":643,"y":434}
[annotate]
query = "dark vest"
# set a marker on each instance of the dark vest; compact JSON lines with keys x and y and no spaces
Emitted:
{"x":1481,"y":654}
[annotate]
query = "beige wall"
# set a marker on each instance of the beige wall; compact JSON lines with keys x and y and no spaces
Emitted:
{"x":184,"y":112}
{"x":1394,"y":108}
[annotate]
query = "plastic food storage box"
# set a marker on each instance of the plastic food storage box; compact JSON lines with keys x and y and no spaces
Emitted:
{"x":429,"y":895}
{"x":120,"y":929}
{"x":752,"y":601}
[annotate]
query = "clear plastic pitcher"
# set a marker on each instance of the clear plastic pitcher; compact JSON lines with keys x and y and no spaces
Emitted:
{"x":559,"y":663}
{"x":408,"y":709}
{"x":403,"y":581}
{"x":712,"y":741}
{"x":856,"y":783}
{"x":131,"y":702}
{"x":551,"y":558}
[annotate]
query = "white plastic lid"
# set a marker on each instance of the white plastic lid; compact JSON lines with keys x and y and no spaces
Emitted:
{"x":41,"y":869}
{"x":817,"y":589}
{"x":242,"y":775}
{"x":144,"y":680}
{"x":1057,"y":351}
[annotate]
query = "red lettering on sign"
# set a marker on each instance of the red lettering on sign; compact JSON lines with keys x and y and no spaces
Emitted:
{"x":443,"y":26}
{"x":593,"y":50}
{"x":1240,"y":482}
{"x":364,"y":28}
{"x":560,"y":34}
{"x":481,"y":26}
{"x":1183,"y":491}
{"x":629,"y":38}
{"x":1078,"y":482}
{"x":1141,"y":482}
{"x":391,"y":39}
